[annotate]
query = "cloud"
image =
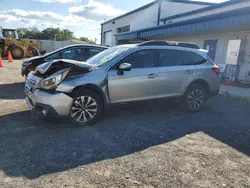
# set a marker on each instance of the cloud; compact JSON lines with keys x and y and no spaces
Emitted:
{"x":46,"y":19}
{"x":34,"y":15}
{"x":7,"y":18}
{"x":28,"y":22}
{"x":95,"y":10}
{"x":10,"y":18}
{"x":59,"y":1}
{"x":48,"y":24}
{"x":95,"y":29}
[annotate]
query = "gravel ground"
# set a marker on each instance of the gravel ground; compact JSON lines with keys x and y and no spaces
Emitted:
{"x":147,"y":144}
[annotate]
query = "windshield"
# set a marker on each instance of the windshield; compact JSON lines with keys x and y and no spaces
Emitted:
{"x":103,"y":57}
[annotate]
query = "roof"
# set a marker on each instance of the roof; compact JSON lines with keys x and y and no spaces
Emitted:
{"x":233,"y":20}
{"x":173,"y":47}
{"x":150,"y":4}
{"x":211,"y":7}
{"x":76,"y":45}
{"x":84,"y":44}
{"x":6,"y":29}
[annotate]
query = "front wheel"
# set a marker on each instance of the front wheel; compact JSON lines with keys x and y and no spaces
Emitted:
{"x":87,"y":107}
{"x":194,"y":98}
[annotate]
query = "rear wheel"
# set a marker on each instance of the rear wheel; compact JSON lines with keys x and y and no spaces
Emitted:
{"x":17,"y":52}
{"x":87,"y":107}
{"x":194,"y":98}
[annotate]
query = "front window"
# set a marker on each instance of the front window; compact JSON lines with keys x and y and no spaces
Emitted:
{"x":141,"y":59}
{"x":9,"y":34}
{"x":103,"y":57}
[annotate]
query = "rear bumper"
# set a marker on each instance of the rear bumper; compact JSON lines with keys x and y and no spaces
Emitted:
{"x":213,"y":93}
{"x":54,"y":104}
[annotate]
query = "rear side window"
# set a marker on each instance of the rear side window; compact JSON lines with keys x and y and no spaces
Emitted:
{"x":191,"y":58}
{"x":72,"y":53}
{"x":169,"y":58}
{"x":94,"y":51}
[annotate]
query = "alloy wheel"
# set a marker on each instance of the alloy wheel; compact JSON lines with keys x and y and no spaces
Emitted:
{"x":195,"y":99}
{"x":84,"y":109}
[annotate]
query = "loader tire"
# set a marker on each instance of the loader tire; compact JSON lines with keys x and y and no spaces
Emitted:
{"x":17,"y":52}
{"x":33,"y":51}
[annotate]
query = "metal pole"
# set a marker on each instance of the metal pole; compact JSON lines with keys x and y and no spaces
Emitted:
{"x":159,"y":12}
{"x":55,"y":41}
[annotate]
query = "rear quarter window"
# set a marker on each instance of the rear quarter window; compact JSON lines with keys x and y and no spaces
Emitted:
{"x":192,"y":58}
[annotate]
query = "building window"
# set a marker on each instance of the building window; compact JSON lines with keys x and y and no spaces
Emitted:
{"x":123,"y":29}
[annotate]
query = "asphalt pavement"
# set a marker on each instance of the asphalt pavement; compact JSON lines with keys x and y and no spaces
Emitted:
{"x":145,"y":144}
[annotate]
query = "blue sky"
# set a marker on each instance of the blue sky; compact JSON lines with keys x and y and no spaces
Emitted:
{"x":83,"y":17}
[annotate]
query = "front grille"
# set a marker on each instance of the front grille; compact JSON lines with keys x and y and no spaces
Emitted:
{"x":31,"y":83}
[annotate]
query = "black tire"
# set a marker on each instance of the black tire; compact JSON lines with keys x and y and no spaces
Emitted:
{"x":83,"y":107}
{"x":33,"y":51}
{"x":17,"y":52}
{"x":194,"y":98}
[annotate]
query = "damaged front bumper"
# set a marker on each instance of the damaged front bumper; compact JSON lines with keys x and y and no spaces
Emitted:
{"x":48,"y":104}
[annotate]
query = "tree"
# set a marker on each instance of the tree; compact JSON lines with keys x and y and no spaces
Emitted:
{"x":29,"y":33}
{"x":50,"y":34}
{"x":67,"y":34}
{"x":87,"y":40}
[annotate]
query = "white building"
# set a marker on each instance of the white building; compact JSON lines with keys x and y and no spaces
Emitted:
{"x":144,"y":17}
{"x":223,"y":29}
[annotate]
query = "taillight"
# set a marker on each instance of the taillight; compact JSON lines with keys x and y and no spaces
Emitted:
{"x":216,"y":69}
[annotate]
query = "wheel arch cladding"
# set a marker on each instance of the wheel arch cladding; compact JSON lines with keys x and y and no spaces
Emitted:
{"x":200,"y":82}
{"x":92,"y":87}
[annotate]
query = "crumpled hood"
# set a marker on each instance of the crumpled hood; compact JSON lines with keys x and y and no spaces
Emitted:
{"x":45,"y":66}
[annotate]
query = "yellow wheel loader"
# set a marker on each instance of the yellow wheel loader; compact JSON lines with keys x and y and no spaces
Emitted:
{"x":19,"y":48}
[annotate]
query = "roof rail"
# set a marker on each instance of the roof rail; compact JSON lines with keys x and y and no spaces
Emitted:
{"x":169,"y":43}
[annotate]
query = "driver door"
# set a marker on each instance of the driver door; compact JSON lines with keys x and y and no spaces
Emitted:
{"x":137,"y":84}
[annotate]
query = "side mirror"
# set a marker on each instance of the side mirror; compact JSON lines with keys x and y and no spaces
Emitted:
{"x":125,"y":67}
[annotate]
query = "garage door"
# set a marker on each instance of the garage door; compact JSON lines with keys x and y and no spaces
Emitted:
{"x":108,"y":38}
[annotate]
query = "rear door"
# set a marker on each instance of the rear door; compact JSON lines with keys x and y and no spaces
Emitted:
{"x":171,"y":72}
{"x":190,"y":63}
{"x":176,"y":70}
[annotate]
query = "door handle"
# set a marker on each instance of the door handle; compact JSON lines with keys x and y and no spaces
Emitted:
{"x":189,"y":72}
{"x":153,"y":75}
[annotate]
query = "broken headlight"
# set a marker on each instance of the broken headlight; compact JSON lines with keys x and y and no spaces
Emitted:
{"x":54,"y":80}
